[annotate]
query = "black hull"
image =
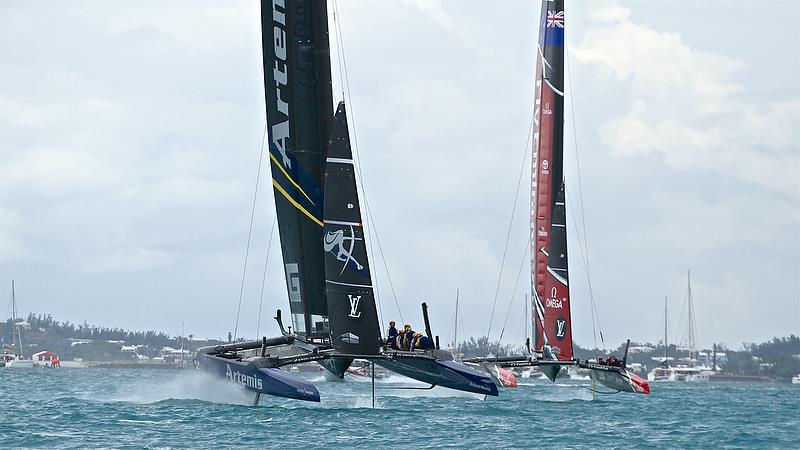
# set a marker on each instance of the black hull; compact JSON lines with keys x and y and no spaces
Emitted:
{"x":618,"y":378}
{"x":445,"y":373}
{"x":337,"y":366}
{"x":262,"y":380}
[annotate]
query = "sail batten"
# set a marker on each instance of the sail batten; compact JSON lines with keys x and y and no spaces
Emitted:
{"x":549,"y":268}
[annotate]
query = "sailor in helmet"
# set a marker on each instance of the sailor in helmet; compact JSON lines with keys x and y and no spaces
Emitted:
{"x":392,"y":338}
{"x":401,"y":336}
{"x":421,"y":341}
{"x":407,"y":338}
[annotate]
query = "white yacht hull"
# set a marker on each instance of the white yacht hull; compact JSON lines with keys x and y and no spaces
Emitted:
{"x":20,"y":364}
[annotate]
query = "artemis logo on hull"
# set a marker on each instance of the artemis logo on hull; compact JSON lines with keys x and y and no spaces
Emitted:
{"x":234,"y":376}
{"x":280,"y":73}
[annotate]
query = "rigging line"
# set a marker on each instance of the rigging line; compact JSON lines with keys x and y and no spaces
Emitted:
{"x":510,"y":224}
{"x":678,"y":337}
{"x":580,"y":198}
{"x":383,"y":259}
{"x":250,"y":229}
{"x":264,"y":276}
{"x":338,"y":48}
{"x":369,"y":223}
{"x":582,"y":252}
{"x":372,"y":230}
{"x":516,"y":283}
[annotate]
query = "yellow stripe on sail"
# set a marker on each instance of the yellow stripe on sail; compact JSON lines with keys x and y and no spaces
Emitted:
{"x":280,"y":166}
{"x":294,"y":203}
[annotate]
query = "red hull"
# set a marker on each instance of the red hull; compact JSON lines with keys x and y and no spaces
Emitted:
{"x":507,"y":378}
{"x":640,"y":385}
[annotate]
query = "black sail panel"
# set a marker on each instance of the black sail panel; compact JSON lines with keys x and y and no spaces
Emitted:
{"x":299,"y":103}
{"x":351,"y":300}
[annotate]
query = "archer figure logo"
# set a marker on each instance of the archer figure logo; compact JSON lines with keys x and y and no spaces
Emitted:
{"x":561,"y":328}
{"x":342,"y":246}
{"x":354,"y":301}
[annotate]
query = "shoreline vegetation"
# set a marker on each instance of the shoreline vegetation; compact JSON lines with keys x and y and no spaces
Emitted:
{"x":86,"y":345}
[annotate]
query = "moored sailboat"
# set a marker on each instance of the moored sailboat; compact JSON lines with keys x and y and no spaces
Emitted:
{"x":684,"y":369}
{"x":16,"y":359}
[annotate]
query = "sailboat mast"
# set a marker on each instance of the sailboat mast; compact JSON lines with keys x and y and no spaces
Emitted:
{"x":525,"y":317}
{"x":181,"y":344}
{"x":665,"y":329}
{"x":692,"y":334}
{"x":15,"y":336}
{"x":13,"y":303}
{"x":455,"y":325}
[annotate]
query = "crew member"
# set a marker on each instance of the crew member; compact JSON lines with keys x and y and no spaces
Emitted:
{"x":400,"y":339}
{"x":392,"y":339}
{"x":613,"y":361}
{"x":407,"y":337}
{"x":422,"y":342}
{"x":601,"y":361}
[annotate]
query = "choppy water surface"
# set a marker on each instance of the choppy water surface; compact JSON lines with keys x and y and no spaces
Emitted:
{"x":79,"y":408}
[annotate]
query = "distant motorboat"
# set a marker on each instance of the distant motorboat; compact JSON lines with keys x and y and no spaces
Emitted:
{"x":796,"y":379}
{"x":679,"y":373}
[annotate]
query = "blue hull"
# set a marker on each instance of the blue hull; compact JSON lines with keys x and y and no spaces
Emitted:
{"x":449,"y":374}
{"x":270,"y":381}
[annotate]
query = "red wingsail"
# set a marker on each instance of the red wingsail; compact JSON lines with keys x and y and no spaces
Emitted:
{"x":549,"y":272}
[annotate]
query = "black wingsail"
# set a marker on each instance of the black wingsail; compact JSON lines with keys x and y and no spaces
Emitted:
{"x":351,"y":300}
{"x":299,"y":101}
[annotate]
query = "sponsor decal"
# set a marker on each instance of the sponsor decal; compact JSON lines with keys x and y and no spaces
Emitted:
{"x":554,"y":303}
{"x":234,"y":376}
{"x":349,"y":338}
{"x":561,"y":328}
{"x":354,"y":301}
{"x":547,"y":110}
{"x":342,"y":246}
{"x":280,"y":73}
{"x":536,"y":110}
{"x":293,"y":282}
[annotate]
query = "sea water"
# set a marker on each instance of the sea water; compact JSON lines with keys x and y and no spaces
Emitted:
{"x":91,"y":408}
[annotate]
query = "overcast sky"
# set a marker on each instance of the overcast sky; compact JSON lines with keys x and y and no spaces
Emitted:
{"x":130,"y":135}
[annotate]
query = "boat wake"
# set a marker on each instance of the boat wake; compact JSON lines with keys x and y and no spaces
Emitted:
{"x":194,"y":385}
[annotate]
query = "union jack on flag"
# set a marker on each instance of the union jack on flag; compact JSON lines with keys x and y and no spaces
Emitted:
{"x":555,"y":19}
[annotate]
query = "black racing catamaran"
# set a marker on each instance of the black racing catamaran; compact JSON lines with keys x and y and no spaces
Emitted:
{"x":331,"y":299}
{"x":552,"y":323}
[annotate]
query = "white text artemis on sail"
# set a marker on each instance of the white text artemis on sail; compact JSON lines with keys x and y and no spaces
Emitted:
{"x":280,"y":131}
